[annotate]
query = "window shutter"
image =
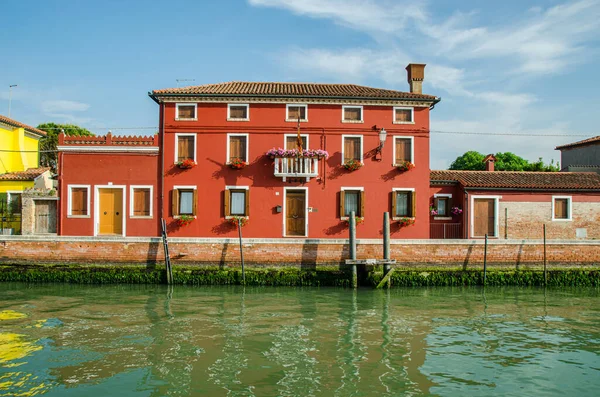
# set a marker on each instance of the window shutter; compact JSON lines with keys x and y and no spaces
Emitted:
{"x":237,"y":148}
{"x":175,"y":202}
{"x":413,"y":203}
{"x":449,"y":205}
{"x":342,"y":198}
{"x":226,"y":197}
{"x":195,"y":202}
{"x":247,"y":203}
{"x":394,"y":199}
{"x":436,"y":202}
{"x":362,"y":203}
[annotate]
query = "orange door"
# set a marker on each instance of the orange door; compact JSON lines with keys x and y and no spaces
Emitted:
{"x":111,"y":211}
{"x":295,"y":207}
{"x":485,"y":220}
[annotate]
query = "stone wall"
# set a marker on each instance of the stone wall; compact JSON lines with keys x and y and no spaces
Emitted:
{"x":464,"y":254}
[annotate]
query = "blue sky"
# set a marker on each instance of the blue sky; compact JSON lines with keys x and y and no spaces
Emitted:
{"x":512,"y":68}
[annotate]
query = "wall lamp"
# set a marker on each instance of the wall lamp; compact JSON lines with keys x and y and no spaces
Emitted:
{"x":382,"y":138}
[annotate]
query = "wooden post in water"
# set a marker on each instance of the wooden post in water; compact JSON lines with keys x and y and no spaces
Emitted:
{"x":241,"y":251}
{"x":168,"y":269}
{"x":352,"y":222}
{"x":545,"y":273}
{"x":386,"y":244}
{"x":485,"y":261}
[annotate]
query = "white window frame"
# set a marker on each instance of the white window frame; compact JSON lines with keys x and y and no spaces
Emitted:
{"x":227,"y":188}
{"x":345,"y":188}
{"x":361,"y":146}
{"x":285,"y":189}
{"x":362,"y":114}
{"x":287,"y":113}
{"x":229,"y":135}
{"x":176,"y":154}
{"x":496,"y":216}
{"x":186,"y":187}
{"x":412,"y":115}
{"x":8,"y":198}
{"x":403,"y":189}
{"x":412,"y":148}
{"x":195,"y":118}
{"x":448,"y":216}
{"x":70,"y":202}
{"x":97,"y":206}
{"x":229,"y":105}
{"x":286,"y":136}
{"x":569,"y":208}
{"x":131,"y":197}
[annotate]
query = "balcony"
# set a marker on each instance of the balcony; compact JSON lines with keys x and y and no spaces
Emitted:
{"x":296,"y":167}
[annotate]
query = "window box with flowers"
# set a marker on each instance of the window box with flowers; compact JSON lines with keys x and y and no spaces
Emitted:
{"x":405,"y":166}
{"x":238,"y":219}
{"x":237,"y":163}
{"x":353,"y":165}
{"x":186,"y":164}
{"x":359,"y":220}
{"x":184,"y":220}
{"x":455,"y":211}
{"x":296,"y":163}
{"x":406,"y":221}
{"x":305,"y":153}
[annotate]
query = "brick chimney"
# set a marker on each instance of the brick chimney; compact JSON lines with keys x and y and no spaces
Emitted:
{"x":416,"y":74}
{"x":489,"y":161}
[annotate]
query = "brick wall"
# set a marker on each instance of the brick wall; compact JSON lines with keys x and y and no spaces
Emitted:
{"x":274,"y":252}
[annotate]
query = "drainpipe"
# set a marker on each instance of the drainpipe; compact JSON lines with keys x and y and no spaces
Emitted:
{"x":324,"y":165}
{"x":161,"y":136}
{"x":466,"y":216}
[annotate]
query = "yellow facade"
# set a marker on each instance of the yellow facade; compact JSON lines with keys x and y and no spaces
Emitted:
{"x":19,"y":152}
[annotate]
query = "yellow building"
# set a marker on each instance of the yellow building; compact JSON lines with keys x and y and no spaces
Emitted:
{"x":19,"y":162}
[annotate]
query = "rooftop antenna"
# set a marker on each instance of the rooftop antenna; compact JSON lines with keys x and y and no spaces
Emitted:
{"x":181,"y":80}
{"x":10,"y":87}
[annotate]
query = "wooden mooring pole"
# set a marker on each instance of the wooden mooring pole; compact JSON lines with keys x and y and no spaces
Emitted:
{"x":545,"y":272}
{"x":241,"y":251}
{"x":352,"y":222}
{"x":485,"y":260}
{"x":168,"y":270}
{"x":386,"y":244}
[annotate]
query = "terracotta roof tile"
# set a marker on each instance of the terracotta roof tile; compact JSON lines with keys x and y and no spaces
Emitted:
{"x":28,"y":175}
{"x":579,"y":143}
{"x":292,"y":90}
{"x":15,"y":123}
{"x":520,"y":180}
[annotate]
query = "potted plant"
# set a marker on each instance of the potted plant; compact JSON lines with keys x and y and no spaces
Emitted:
{"x":237,"y":219}
{"x":237,"y":163}
{"x":186,"y":164}
{"x":184,"y":220}
{"x":402,"y":222}
{"x":353,"y":165}
{"x":405,"y":166}
{"x":432,"y":210}
{"x":455,"y":210}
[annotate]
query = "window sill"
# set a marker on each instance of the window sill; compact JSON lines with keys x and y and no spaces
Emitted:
{"x":562,"y":220}
{"x":141,"y":217}
{"x":231,"y":216}
{"x":178,"y":119}
{"x":347,"y":218}
{"x":397,"y":218}
{"x":397,"y":165}
{"x":78,"y":216}
{"x":296,"y":120}
{"x":179,"y":216}
{"x":230,"y":119}
{"x":403,"y":122}
{"x":353,"y":121}
{"x":442,"y":218}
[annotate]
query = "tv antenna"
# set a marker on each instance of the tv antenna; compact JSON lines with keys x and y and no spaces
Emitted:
{"x":183,"y":80}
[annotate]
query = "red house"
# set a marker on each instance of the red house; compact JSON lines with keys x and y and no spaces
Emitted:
{"x":108,"y":186}
{"x":293,"y":159}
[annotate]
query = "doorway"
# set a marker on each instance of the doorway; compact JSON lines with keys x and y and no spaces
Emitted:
{"x":110,"y":211}
{"x":295,"y":213}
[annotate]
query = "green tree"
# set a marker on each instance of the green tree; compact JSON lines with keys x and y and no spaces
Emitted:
{"x":48,"y":157}
{"x":507,"y":161}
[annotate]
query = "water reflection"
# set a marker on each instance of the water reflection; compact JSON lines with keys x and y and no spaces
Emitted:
{"x":156,"y":341}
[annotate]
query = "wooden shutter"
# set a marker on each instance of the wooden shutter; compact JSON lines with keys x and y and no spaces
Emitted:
{"x":403,"y":116}
{"x":185,"y":148}
{"x":362,"y":204}
{"x":291,"y":142}
{"x":186,"y":112}
{"x":352,"y":114}
{"x":436,"y":202}
{"x":342,"y":199}
{"x":195,"y":202}
{"x":351,"y":148}
{"x":237,"y":148}
{"x":247,"y":199}
{"x":403,"y":150}
{"x":226,"y":197}
{"x":141,"y":202}
{"x":238,"y":112}
{"x":296,"y":111}
{"x":79,"y":201}
{"x":394,"y":205}
{"x":413,"y":204}
{"x":561,"y":209}
{"x":175,"y":202}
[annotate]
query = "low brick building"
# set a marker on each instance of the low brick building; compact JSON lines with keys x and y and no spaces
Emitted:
{"x":515,"y":205}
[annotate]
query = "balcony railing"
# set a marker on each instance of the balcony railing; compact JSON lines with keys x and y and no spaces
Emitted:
{"x":445,"y":230}
{"x":296,"y":167}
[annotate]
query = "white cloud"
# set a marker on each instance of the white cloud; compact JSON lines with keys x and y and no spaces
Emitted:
{"x":59,"y":106}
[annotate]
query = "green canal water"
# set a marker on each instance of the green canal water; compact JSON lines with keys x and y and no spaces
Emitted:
{"x":70,"y":340}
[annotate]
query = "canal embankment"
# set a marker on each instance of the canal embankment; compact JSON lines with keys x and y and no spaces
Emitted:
{"x":297,"y":262}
